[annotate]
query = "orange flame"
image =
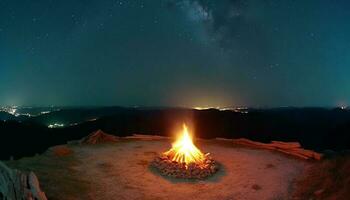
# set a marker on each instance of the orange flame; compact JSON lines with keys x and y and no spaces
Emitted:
{"x":184,"y":151}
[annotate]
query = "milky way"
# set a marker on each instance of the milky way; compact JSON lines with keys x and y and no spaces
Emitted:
{"x":175,"y":53}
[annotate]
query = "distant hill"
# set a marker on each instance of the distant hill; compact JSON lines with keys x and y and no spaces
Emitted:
{"x":6,"y":116}
{"x":69,"y":116}
{"x":314,"y":128}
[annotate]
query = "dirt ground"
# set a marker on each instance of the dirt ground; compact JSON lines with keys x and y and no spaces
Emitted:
{"x":121,"y":171}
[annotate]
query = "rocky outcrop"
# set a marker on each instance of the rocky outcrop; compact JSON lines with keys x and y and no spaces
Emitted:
{"x":290,"y":148}
{"x":99,"y":137}
{"x":17,"y":185}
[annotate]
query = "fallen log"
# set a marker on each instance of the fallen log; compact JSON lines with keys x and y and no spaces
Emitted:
{"x":146,"y":137}
{"x":250,"y":143}
{"x":294,"y":154}
{"x":222,"y":139}
{"x":290,"y":148}
{"x":285,"y":145}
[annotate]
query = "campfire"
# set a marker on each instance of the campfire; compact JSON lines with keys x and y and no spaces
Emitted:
{"x":185,"y":160}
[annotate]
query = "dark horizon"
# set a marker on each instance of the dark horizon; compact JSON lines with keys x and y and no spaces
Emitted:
{"x":314,"y":128}
{"x":180,"y":107}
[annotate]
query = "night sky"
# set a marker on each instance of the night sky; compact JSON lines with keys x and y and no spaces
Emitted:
{"x":175,"y":53}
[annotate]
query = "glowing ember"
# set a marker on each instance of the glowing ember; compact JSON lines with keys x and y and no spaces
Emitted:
{"x":185,"y":160}
{"x":184,"y":151}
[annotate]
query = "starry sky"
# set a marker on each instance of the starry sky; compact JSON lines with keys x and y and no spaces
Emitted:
{"x":205,"y":53}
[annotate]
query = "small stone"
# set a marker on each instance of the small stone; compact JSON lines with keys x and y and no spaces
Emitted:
{"x":318,"y":193}
{"x":256,"y":187}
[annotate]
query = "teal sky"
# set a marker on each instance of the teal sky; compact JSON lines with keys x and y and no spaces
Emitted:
{"x":175,"y":53}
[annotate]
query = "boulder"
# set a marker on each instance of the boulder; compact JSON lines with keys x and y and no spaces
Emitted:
{"x":17,"y":185}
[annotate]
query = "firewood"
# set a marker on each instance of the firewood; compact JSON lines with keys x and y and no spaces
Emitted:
{"x":171,"y":168}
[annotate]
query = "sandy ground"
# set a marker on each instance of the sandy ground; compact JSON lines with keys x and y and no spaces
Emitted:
{"x":122,"y":171}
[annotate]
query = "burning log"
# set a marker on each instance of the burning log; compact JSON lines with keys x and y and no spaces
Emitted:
{"x":185,"y":160}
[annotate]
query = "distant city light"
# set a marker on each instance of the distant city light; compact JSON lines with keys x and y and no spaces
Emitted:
{"x":243,"y":110}
{"x":18,"y":111}
{"x":10,"y":110}
{"x":55,"y":125}
{"x":73,"y":124}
